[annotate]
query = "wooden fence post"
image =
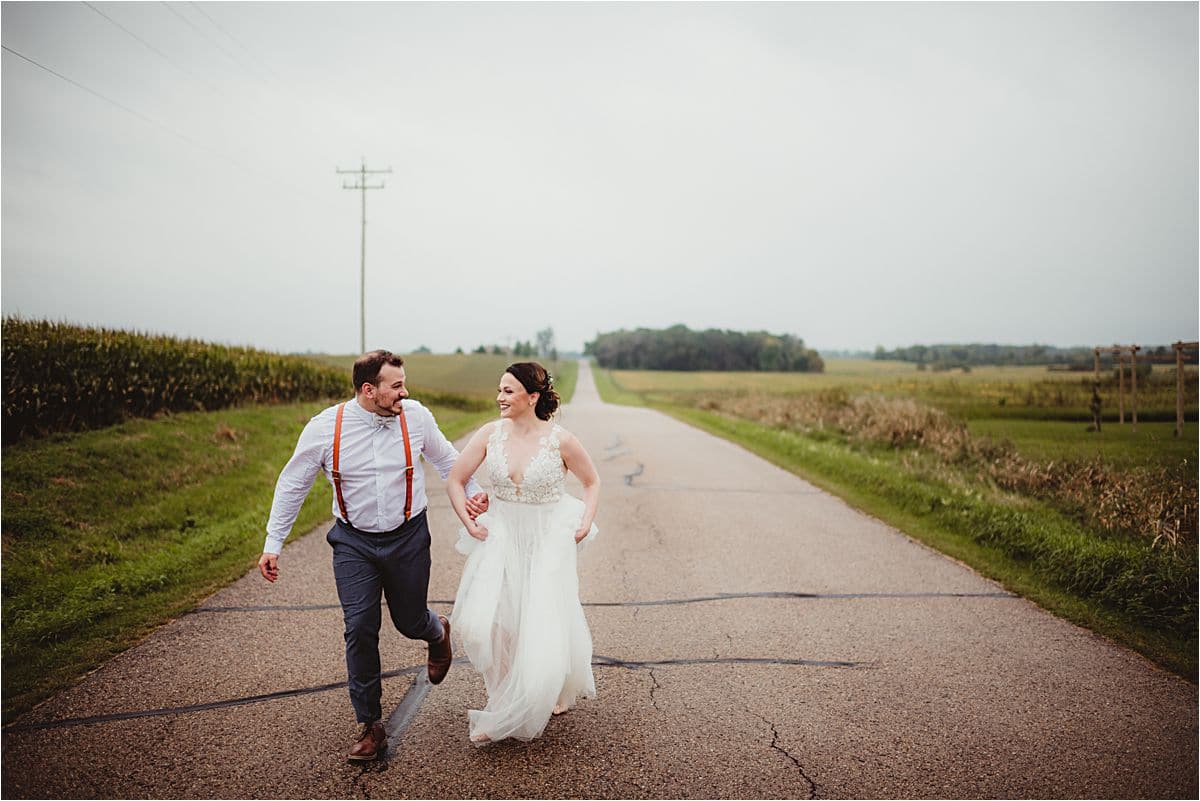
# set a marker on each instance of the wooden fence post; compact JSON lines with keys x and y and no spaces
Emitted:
{"x":1119,"y":359}
{"x":1133,"y":349}
{"x":1178,"y":388}
{"x":1180,"y":347}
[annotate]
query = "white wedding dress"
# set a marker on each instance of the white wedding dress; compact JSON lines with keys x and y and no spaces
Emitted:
{"x":517,"y":615}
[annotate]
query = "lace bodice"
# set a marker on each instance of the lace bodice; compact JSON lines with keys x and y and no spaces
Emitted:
{"x":545,"y":474}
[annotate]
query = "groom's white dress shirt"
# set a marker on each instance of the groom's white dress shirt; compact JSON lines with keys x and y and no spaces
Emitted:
{"x":372,"y":466}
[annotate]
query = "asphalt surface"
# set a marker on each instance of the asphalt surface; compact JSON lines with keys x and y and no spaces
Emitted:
{"x":754,"y":637}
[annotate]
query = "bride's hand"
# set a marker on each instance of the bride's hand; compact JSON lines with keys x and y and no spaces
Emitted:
{"x":477,"y":531}
{"x":580,"y":533}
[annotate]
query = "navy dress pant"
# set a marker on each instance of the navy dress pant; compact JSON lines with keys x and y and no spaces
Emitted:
{"x":396,"y":564}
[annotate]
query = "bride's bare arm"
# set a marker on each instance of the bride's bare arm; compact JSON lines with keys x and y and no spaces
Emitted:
{"x":578,"y":462}
{"x":456,"y":483}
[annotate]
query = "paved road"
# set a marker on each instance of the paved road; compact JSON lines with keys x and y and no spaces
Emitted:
{"x":754,"y":637}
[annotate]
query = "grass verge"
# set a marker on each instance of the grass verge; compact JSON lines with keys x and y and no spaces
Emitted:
{"x":1102,"y":583}
{"x":565,"y":373}
{"x":108,"y":534}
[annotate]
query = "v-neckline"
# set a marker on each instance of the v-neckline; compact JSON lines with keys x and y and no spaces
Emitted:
{"x":543,"y":443}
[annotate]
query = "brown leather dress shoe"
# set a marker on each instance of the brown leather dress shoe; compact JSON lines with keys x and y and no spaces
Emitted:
{"x":371,"y":743}
{"x":440,"y":655}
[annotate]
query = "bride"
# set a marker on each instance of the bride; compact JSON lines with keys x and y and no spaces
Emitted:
{"x":517,"y":613}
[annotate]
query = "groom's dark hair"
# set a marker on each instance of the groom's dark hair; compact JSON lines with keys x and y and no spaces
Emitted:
{"x":367,"y":367}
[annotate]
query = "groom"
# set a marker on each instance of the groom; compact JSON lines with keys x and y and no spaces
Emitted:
{"x":367,"y":449}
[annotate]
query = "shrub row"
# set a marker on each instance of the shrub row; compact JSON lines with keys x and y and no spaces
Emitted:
{"x":61,"y":377}
{"x":1152,"y":504}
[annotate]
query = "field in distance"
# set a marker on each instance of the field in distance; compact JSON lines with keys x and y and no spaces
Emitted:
{"x":473,"y":374}
{"x":1044,"y":413}
{"x":866,"y":374}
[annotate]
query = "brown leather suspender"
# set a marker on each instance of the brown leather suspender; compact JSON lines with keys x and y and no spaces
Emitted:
{"x":408,"y":471}
{"x":337,"y":476}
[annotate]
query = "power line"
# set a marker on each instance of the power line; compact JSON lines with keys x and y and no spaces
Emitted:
{"x":276,"y":92}
{"x":105,"y":98}
{"x":303,"y":104}
{"x":136,"y":37}
{"x":206,"y":83}
{"x":212,"y":41}
{"x":237,"y":42}
{"x":195,"y":143}
{"x":280,"y":87}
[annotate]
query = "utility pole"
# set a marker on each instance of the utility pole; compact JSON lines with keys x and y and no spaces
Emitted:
{"x":362,"y":173}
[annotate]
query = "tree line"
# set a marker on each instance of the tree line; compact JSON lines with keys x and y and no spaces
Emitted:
{"x":680,"y":348}
{"x":543,"y":348}
{"x":953,"y":356}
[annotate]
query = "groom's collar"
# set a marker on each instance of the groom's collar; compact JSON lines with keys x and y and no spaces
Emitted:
{"x":363,"y":414}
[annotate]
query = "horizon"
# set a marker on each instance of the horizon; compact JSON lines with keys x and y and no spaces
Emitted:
{"x":580,"y":351}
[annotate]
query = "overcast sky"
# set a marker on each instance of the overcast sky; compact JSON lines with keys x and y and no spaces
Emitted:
{"x":854,"y":174}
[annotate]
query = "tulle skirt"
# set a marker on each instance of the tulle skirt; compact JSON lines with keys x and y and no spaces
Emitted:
{"x":518,"y":618}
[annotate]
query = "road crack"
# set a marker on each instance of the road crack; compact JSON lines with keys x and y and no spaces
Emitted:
{"x":365,"y":768}
{"x":812,"y":786}
{"x":653,"y":687}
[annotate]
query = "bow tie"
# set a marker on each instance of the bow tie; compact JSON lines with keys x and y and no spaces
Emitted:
{"x":381,"y":422}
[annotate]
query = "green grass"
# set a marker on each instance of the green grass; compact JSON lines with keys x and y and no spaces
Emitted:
{"x":109,"y":533}
{"x":1121,"y":446}
{"x":1142,"y":597}
{"x":612,"y":392}
{"x":1045,"y":413}
{"x":565,"y":374}
{"x":858,"y":373}
{"x":985,"y":392}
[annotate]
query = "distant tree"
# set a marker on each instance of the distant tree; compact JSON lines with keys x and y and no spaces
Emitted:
{"x":480,"y":349}
{"x":497,"y":350}
{"x":458,"y":351}
{"x":545,"y":341}
{"x":423,"y":349}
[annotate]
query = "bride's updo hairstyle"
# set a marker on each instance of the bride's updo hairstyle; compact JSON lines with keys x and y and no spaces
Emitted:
{"x":535,"y":379}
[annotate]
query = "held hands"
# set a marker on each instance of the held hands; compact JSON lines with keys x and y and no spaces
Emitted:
{"x":268,"y":565}
{"x":477,"y":531}
{"x":477,"y":504}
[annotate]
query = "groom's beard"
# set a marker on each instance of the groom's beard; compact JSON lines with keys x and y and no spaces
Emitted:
{"x":385,"y":411}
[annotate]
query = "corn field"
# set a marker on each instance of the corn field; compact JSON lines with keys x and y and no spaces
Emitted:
{"x":61,"y":377}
